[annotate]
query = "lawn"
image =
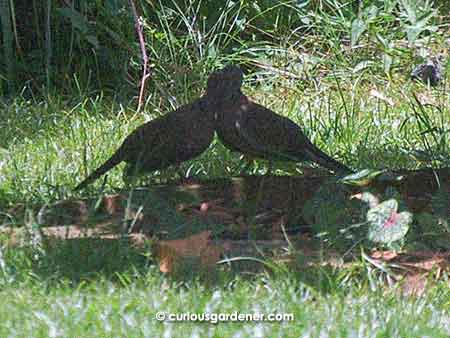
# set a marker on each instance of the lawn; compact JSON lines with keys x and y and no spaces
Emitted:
{"x":223,"y":235}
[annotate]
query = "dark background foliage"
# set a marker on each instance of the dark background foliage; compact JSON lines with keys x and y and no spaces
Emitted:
{"x":67,"y":46}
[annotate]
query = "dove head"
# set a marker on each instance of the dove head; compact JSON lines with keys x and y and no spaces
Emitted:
{"x":225,"y":82}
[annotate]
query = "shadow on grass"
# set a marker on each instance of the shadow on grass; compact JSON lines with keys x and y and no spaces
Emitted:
{"x":76,"y":261}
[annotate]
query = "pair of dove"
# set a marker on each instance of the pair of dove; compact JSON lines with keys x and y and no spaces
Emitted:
{"x":241,"y":125}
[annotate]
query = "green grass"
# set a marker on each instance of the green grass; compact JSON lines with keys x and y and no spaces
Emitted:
{"x":53,"y":146}
{"x":82,"y":288}
{"x":102,"y":309}
{"x":333,"y":63}
{"x":332,"y":66}
{"x":124,"y":302}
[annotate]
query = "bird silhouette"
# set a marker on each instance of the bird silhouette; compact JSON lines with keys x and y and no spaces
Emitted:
{"x":254,"y":130}
{"x":178,"y":136}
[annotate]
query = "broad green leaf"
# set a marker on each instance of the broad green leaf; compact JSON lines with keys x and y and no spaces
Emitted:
{"x":410,"y":7}
{"x":362,"y":178}
{"x":358,"y":27}
{"x":372,"y":12}
{"x":412,"y":32}
{"x":423,"y":20}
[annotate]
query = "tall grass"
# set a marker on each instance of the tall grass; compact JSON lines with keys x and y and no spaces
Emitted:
{"x":342,"y":74}
{"x":340,"y":71}
{"x":92,"y":45}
